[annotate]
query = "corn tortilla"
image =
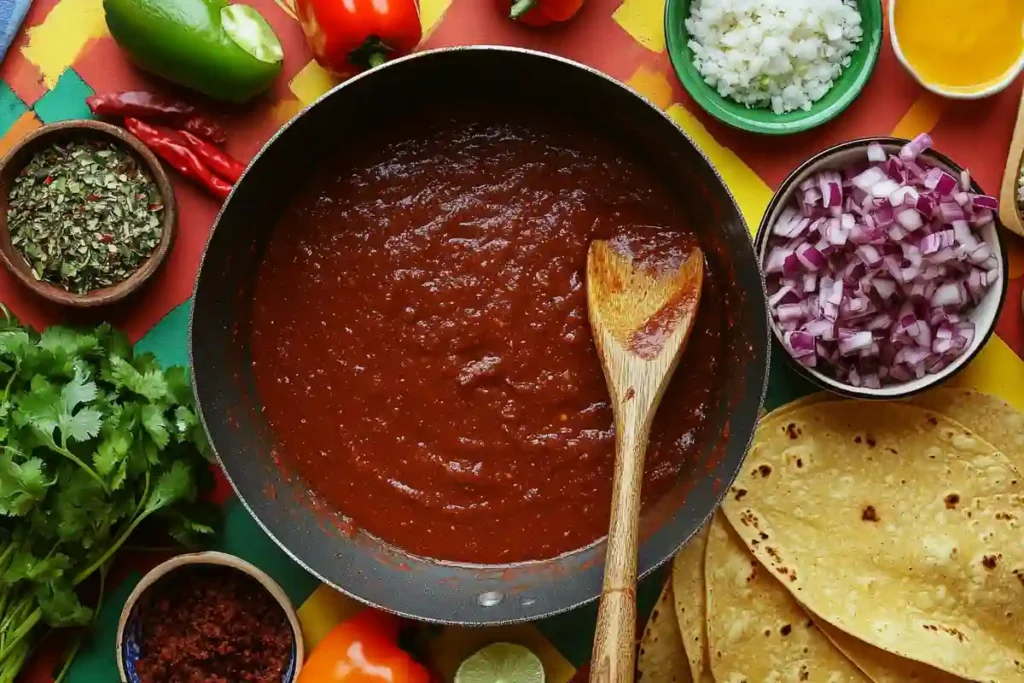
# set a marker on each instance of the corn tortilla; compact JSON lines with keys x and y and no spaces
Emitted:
{"x":661,"y":658}
{"x":879,"y":665}
{"x":992,"y":418}
{"x":691,"y":604}
{"x":756,"y":630}
{"x":895,"y":524}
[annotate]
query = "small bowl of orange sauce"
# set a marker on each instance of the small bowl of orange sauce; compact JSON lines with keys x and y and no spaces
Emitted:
{"x":962,"y":49}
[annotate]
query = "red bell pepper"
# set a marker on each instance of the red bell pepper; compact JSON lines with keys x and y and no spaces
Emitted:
{"x":542,"y":12}
{"x":359,"y":33}
{"x":363,"y":650}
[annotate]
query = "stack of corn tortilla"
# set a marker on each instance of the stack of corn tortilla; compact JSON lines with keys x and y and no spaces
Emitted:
{"x":861,"y":541}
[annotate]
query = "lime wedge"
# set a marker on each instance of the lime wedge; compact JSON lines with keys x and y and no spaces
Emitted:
{"x":501,"y":663}
{"x":247,"y":28}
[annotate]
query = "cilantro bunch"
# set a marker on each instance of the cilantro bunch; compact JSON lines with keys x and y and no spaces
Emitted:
{"x":95,"y":441}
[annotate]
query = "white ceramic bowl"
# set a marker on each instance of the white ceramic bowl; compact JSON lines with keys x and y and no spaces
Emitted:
{"x":996,"y":87}
{"x":183,"y":563}
{"x":983,"y":315}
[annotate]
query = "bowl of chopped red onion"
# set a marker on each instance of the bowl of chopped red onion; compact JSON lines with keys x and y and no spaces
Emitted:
{"x":884,"y":267}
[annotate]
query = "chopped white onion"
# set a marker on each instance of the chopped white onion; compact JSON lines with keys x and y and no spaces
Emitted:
{"x":871,"y":270}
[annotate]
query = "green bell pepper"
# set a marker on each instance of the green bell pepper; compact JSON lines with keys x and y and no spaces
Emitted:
{"x":227,"y":52}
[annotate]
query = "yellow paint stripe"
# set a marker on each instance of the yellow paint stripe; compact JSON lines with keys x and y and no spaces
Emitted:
{"x":55,"y":44}
{"x":431,"y":14}
{"x":454,"y":644}
{"x":644,"y":20}
{"x":653,"y":85}
{"x":752,"y":194}
{"x":284,"y":110}
{"x":322,"y":611}
{"x":922,"y":116}
{"x":25,"y":124}
{"x":995,"y":370}
{"x":311,"y":82}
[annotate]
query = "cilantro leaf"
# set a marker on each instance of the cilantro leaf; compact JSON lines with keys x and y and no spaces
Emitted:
{"x":65,"y":341}
{"x":178,"y":386}
{"x":79,"y":390}
{"x":82,"y":426}
{"x":176,"y":484}
{"x":155,"y":424}
{"x":25,"y":566}
{"x":21,"y":485}
{"x":150,"y":384}
{"x":61,"y":606}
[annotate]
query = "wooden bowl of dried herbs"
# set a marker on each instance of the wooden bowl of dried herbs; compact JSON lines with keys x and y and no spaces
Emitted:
{"x":87,"y":213}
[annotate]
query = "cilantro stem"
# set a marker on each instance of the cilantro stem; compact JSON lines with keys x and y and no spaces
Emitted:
{"x":19,"y":635}
{"x":52,"y":445}
{"x":86,"y":573}
{"x":72,"y":653}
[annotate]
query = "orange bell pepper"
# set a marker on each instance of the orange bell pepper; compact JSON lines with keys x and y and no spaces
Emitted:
{"x":363,"y":649}
{"x":543,"y":12}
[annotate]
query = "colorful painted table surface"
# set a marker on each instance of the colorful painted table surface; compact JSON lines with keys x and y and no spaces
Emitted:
{"x":63,"y":54}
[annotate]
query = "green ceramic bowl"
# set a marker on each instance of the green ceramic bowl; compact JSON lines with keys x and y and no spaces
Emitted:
{"x":842,"y":94}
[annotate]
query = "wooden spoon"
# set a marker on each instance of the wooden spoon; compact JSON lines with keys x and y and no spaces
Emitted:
{"x":1009,"y":209}
{"x":641,"y":322}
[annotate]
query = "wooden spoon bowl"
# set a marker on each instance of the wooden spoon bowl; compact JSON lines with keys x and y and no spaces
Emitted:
{"x":19,"y":156}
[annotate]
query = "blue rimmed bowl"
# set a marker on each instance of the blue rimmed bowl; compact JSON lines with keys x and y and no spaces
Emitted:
{"x":129,"y":636}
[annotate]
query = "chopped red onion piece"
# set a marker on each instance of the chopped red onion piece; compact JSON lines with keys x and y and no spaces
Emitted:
{"x":910,"y":219}
{"x":951,"y":211}
{"x":876,"y":153}
{"x":981,"y":201}
{"x":913,"y":149}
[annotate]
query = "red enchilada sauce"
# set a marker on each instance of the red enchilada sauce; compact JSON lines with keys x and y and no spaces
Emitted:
{"x":420,"y":338}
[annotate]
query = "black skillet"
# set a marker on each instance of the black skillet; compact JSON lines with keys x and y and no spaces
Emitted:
{"x":357,"y":563}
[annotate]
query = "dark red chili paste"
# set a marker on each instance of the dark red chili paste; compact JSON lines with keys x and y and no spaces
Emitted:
{"x":420,"y":339}
{"x":211,"y":624}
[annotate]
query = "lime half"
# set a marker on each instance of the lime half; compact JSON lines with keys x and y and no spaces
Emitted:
{"x":501,"y":663}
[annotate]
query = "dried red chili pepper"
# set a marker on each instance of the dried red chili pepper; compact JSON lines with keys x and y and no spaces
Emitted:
{"x":210,"y":623}
{"x":140,"y":104}
{"x":206,"y":129}
{"x":222,"y":163}
{"x":360,"y":33}
{"x":172,"y":150}
{"x":542,"y":12}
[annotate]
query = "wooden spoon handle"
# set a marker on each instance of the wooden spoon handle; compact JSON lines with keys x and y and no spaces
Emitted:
{"x":614,"y":654}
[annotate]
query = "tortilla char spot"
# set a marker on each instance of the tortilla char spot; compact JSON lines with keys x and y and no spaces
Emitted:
{"x":930,"y":627}
{"x":767,"y":631}
{"x":799,"y":462}
{"x":869,"y":514}
{"x":1005,"y":516}
{"x":739,"y":494}
{"x":871,"y":441}
{"x":990,"y":561}
{"x":765,"y":470}
{"x":952,"y":500}
{"x":932,"y":421}
{"x":1019,"y":573}
{"x":892,"y":450}
{"x":810,"y":623}
{"x":654,"y":616}
{"x":857,"y":439}
{"x":764,"y":536}
{"x":805,"y":674}
{"x":786,"y":630}
{"x":791,"y":431}
{"x":773,"y":553}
